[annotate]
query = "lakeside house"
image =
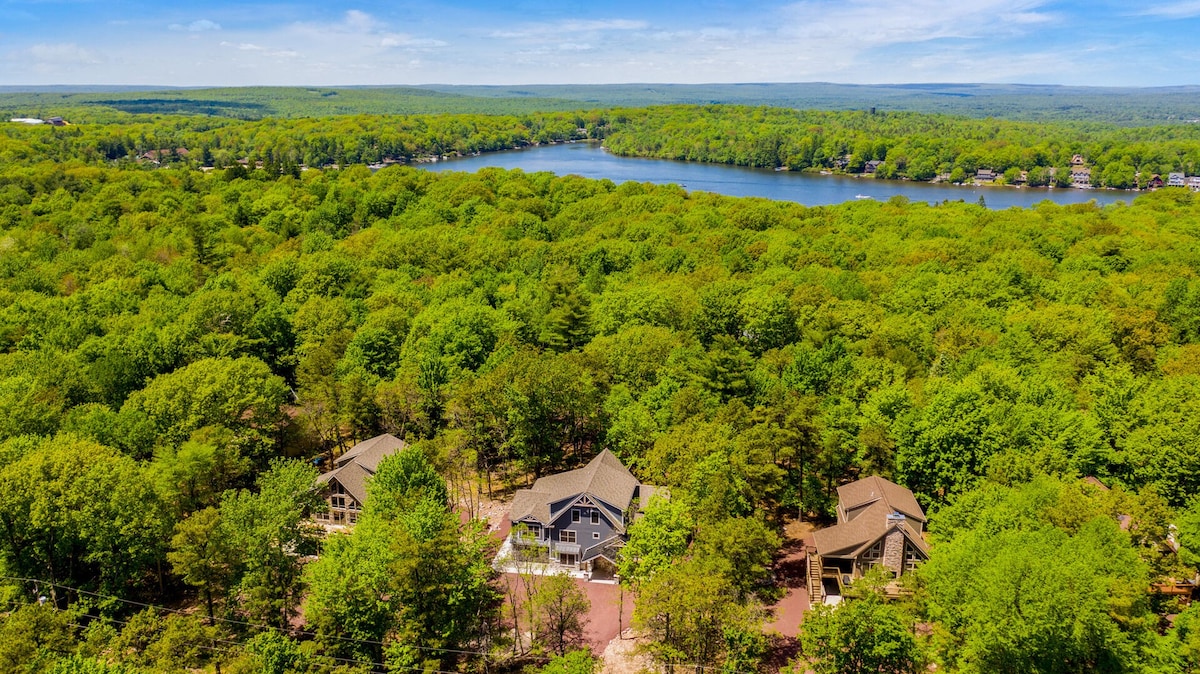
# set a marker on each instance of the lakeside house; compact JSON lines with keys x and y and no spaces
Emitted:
{"x":579,"y":519}
{"x":985,"y":176}
{"x":347,"y":482}
{"x":879,"y":523}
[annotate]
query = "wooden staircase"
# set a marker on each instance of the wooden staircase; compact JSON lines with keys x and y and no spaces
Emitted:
{"x":816,"y":593}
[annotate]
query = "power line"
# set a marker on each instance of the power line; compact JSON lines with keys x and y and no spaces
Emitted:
{"x":237,"y":622}
{"x":233,"y":651}
{"x":286,"y":632}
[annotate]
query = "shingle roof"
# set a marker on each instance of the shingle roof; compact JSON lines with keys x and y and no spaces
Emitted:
{"x":870,"y":489}
{"x":604,"y":478}
{"x":360,"y":462}
{"x":851,"y":539}
{"x":369,"y":453}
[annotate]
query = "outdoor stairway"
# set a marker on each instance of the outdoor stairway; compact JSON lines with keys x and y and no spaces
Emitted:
{"x":814,"y":576}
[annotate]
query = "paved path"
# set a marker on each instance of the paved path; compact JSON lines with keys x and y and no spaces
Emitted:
{"x":791,"y":570}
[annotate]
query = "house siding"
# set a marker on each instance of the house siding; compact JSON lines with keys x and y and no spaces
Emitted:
{"x":584,"y":528}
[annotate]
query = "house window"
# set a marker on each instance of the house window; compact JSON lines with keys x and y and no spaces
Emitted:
{"x":574,"y":514}
{"x":872,"y":554}
{"x":595,"y":534}
{"x":595,"y":517}
{"x":911,"y":558}
{"x":352,"y":518}
{"x":337,"y":502}
{"x":566,"y":536}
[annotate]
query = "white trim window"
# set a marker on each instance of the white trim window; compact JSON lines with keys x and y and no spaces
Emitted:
{"x":566,"y":536}
{"x":595,"y":517}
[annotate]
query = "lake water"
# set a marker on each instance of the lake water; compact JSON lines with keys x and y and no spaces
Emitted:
{"x":589,"y":161}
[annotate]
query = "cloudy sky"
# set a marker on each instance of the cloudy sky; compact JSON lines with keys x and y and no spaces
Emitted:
{"x":190,"y":43}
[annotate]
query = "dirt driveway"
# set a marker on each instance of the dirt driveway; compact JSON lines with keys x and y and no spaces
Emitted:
{"x":611,"y":609}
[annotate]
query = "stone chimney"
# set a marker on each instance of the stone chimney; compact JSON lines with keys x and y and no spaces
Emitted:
{"x":893,"y":544}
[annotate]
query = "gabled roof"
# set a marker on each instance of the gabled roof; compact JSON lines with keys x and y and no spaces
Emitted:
{"x":871,"y":489}
{"x":604,"y":478}
{"x":851,"y":539}
{"x":369,"y":453}
{"x":360,"y":462}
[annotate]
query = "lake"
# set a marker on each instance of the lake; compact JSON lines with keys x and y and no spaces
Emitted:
{"x":589,"y":161}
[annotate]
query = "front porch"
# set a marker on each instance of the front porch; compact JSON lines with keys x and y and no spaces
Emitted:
{"x":539,"y":557}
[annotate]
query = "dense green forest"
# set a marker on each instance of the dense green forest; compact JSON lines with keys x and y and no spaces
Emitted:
{"x":1129,"y":106}
{"x":908,"y":146}
{"x":911,"y":146}
{"x":262,"y":102}
{"x":178,"y":346}
{"x":285,"y":145}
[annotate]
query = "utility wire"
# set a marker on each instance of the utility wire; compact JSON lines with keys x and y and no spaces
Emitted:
{"x":287,"y":632}
{"x":231,"y":620}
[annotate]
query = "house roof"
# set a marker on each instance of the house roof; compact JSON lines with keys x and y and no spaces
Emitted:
{"x":369,"y":453}
{"x":360,"y":462}
{"x":604,"y":478}
{"x":852,"y":538}
{"x":874,"y":488}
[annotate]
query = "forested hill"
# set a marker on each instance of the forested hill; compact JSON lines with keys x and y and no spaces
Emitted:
{"x":1044,"y":103}
{"x":179,"y":347}
{"x":261,"y":102}
{"x":1122,"y":106}
{"x":913,"y":146}
{"x":900,"y":145}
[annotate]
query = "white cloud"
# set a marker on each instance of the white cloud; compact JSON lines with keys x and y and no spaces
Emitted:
{"x":541,"y":30}
{"x":863,"y":24}
{"x":393,"y":40}
{"x":607,"y":24}
{"x":831,"y":40}
{"x":199,"y":26}
{"x":357,"y":30}
{"x":1172,"y":10}
{"x":65,"y":53}
{"x":259,"y":49}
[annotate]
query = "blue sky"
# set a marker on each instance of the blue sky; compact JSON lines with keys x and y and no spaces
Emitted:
{"x":193,"y":43}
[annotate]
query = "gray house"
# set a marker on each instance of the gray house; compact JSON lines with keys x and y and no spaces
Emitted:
{"x":579,"y":518}
{"x":348,"y":480}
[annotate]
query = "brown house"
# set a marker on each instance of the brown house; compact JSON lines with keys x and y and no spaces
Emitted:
{"x":879,"y":523}
{"x":348,"y":480}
